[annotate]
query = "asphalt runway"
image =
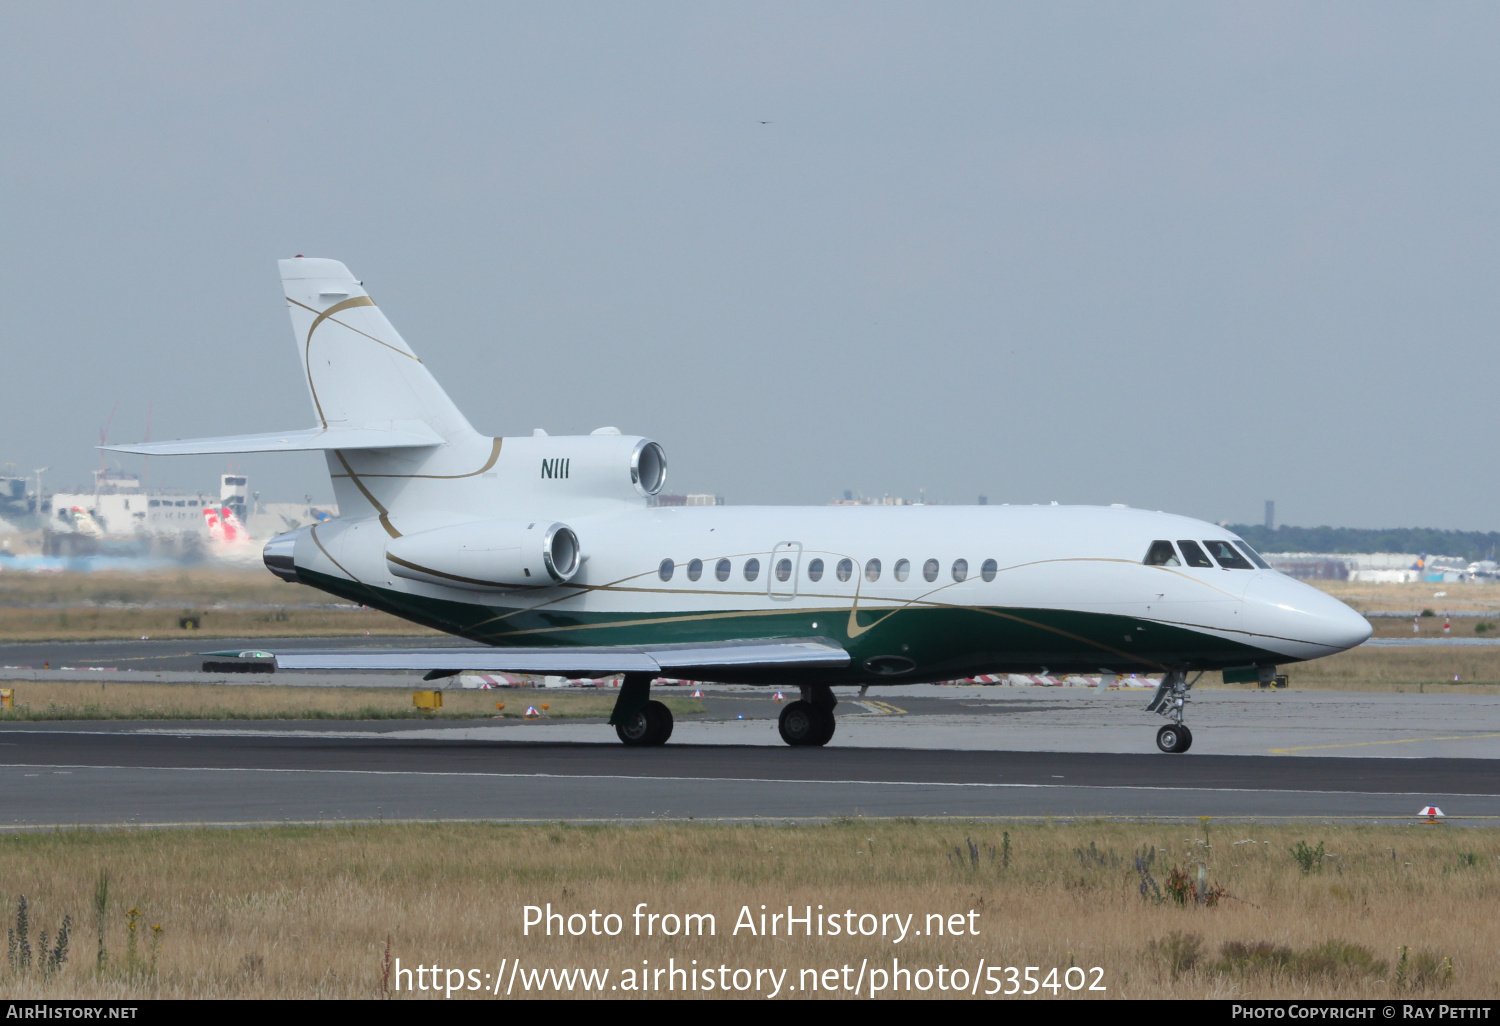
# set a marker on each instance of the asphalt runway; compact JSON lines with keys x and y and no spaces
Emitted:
{"x":60,"y":777}
{"x":920,"y":751}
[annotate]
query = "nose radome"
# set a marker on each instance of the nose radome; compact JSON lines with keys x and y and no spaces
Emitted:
{"x":1307,"y":622}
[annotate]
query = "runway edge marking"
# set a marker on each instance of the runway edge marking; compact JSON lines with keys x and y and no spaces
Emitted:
{"x":732,"y":780}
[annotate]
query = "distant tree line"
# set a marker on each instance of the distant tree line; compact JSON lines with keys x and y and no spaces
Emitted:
{"x":1470,"y":545}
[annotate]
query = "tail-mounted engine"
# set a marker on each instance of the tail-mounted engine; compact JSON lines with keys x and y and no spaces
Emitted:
{"x":552,"y":469}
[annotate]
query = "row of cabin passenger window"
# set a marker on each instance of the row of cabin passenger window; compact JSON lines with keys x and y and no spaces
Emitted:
{"x":1229,"y":557}
{"x":843,"y":570}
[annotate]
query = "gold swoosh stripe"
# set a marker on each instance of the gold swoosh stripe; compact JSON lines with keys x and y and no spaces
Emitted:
{"x":319,"y":542}
{"x":307,"y":346}
{"x":364,"y":301}
{"x":452,"y":577}
{"x":494,"y":455}
{"x":348,"y":304}
{"x":644,"y":623}
{"x":385,"y":518}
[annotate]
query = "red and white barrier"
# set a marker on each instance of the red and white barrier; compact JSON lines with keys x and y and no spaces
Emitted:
{"x":1040,"y":680}
{"x":486,"y":681}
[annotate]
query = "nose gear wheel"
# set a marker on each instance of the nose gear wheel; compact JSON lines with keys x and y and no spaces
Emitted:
{"x":1174,"y":739}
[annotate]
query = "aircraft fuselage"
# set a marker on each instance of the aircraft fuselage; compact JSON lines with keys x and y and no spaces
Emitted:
{"x":913,"y":593}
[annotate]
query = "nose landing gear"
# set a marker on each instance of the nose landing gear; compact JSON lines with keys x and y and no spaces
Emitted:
{"x":1170,"y":701}
{"x":1174,"y":739}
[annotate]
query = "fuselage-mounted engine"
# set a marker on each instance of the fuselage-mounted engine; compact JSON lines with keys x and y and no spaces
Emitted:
{"x":485,"y":554}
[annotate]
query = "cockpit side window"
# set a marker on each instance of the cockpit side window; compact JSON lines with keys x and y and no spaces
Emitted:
{"x":1228,"y":556}
{"x":1161,"y":553}
{"x":1193,"y":553}
{"x":1255,"y":557}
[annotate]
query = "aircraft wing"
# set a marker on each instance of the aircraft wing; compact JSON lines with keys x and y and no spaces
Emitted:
{"x":787,"y":653}
{"x":403,"y":436}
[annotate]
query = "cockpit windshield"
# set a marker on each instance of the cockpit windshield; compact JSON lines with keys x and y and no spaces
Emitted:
{"x":1161,"y":553}
{"x":1255,"y":557}
{"x":1193,"y":553}
{"x":1228,"y":556}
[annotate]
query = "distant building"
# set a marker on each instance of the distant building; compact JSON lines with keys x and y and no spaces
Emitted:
{"x":1379,"y":567}
{"x":1309,"y":566}
{"x":693,"y":499}
{"x":16,"y":501}
{"x":850,"y":499}
{"x":119,"y":509}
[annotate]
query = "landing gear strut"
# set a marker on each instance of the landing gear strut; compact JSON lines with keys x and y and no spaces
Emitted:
{"x":809,"y":721}
{"x":1170,"y":701}
{"x":639,"y":721}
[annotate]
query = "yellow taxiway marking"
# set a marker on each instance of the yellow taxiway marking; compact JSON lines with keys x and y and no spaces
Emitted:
{"x":881,"y":708}
{"x":1398,"y":741}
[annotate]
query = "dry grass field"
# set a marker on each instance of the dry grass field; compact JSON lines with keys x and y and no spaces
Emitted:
{"x":1371,"y":912}
{"x":1440,"y":598}
{"x":247,"y":603}
{"x":81,"y":700}
{"x":1428,"y":670}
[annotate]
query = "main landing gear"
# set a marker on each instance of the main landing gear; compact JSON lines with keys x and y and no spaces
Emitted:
{"x":809,"y":720}
{"x":640,"y":721}
{"x":1170,"y":701}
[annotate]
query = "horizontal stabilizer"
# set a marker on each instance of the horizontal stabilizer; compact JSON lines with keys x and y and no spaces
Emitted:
{"x":407,"y":436}
{"x":743,"y":655}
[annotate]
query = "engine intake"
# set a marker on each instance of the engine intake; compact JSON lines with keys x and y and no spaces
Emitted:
{"x":648,"y":467}
{"x":486,"y":554}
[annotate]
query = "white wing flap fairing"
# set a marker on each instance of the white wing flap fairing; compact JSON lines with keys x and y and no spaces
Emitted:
{"x":788,"y":653}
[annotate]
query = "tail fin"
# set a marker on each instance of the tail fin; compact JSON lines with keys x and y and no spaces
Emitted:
{"x":360,"y":373}
{"x":380,"y":413}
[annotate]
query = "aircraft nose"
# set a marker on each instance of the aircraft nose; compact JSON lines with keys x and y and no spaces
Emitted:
{"x":1286,"y":610}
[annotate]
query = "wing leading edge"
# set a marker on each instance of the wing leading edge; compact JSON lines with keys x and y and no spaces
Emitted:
{"x":788,"y":653}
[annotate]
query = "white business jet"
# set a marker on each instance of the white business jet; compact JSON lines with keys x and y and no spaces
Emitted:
{"x":546,"y":549}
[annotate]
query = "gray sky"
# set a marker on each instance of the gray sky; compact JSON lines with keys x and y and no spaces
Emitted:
{"x":1186,"y":257}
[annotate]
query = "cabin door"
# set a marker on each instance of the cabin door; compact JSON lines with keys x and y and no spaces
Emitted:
{"x":781,"y":573}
